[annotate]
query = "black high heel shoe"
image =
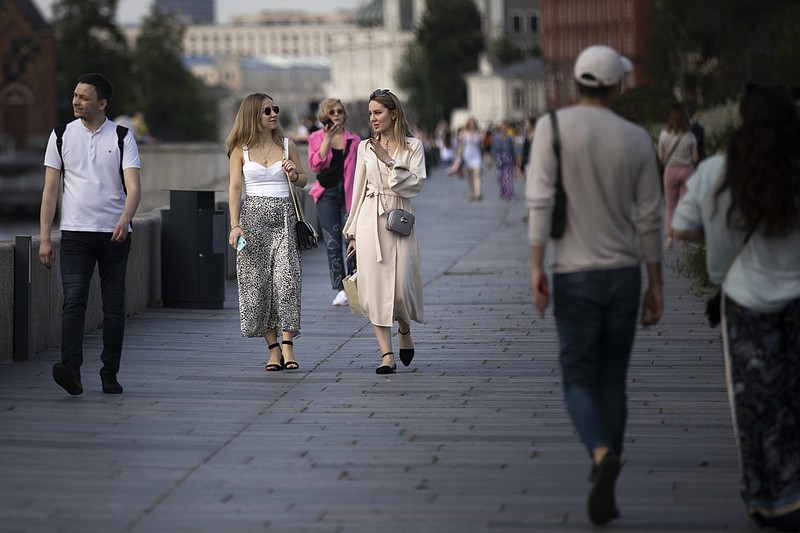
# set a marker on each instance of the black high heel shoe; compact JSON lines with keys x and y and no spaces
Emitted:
{"x":406,"y":354}
{"x":289,"y":365}
{"x":386,"y":369}
{"x":274,"y":367}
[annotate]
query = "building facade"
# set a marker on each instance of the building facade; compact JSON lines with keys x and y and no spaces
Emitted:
{"x":511,"y":92}
{"x":28,"y":83}
{"x":189,"y":11}
{"x":569,"y":26}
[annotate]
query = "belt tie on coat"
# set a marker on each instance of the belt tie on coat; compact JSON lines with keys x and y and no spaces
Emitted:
{"x":381,"y":197}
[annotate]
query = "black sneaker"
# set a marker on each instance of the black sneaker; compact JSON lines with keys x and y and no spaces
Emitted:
{"x":67,"y":379}
{"x":110,"y":384}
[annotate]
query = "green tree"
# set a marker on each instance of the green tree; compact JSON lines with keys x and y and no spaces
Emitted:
{"x":88,"y":40}
{"x":446,"y":46}
{"x":505,"y":51}
{"x":174,"y":101}
{"x":710,"y":49}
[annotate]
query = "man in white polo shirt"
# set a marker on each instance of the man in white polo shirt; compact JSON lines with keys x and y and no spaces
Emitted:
{"x":613,"y":222}
{"x":96,"y":213}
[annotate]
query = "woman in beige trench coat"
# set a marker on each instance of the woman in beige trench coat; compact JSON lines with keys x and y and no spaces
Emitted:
{"x":390,"y":170}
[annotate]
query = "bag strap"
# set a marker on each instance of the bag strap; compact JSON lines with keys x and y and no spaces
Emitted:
{"x":298,"y":209}
{"x":557,"y":149}
{"x":674,"y":146}
{"x":741,"y":248}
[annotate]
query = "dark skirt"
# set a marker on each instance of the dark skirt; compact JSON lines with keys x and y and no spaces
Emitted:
{"x":268,"y":268}
{"x":762,"y":363}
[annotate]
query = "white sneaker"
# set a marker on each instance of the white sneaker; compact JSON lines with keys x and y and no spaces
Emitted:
{"x":341,"y":299}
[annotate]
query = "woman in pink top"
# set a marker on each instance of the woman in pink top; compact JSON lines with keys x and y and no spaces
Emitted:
{"x":332,"y":155}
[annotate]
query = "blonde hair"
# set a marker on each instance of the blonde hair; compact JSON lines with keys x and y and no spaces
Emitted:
{"x":325,"y":107}
{"x":401,"y":128}
{"x":247,"y":125}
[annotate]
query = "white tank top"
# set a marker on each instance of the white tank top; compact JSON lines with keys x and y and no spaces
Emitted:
{"x":264,"y":181}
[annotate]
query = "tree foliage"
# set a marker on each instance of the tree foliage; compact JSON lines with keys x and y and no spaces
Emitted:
{"x":710,"y":49}
{"x":88,"y":40}
{"x":172,"y":98}
{"x":505,"y":51}
{"x":446,"y":46}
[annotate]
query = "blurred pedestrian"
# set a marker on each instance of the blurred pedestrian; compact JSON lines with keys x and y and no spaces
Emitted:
{"x":503,"y":159}
{"x":699,"y":133}
{"x":332,"y":155}
{"x":268,"y":269}
{"x":613,"y":222}
{"x":390,"y":170}
{"x":101,"y":194}
{"x":746,"y":207}
{"x":528,"y":126}
{"x":471,"y":155}
{"x":677,"y":149}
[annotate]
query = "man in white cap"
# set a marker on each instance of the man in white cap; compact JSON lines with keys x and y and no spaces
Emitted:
{"x":613,"y":223}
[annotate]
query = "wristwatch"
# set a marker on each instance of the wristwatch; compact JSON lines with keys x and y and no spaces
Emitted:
{"x":390,"y":164}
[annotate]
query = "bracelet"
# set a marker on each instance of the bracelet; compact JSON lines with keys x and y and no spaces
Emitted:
{"x":234,"y":227}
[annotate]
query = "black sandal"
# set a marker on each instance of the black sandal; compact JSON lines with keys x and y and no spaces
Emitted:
{"x":386,"y":369}
{"x":289,"y":365}
{"x":406,"y":354}
{"x":274,"y":367}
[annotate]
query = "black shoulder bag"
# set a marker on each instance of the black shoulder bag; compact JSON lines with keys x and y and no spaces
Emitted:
{"x":558,"y":221}
{"x":331,"y":176}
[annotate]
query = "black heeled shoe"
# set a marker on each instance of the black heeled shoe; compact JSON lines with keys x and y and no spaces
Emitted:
{"x":386,"y":369}
{"x":289,"y":365}
{"x":406,"y":354}
{"x":274,"y":367}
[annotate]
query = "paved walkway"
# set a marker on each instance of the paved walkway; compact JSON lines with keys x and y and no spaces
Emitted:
{"x":472,"y":437}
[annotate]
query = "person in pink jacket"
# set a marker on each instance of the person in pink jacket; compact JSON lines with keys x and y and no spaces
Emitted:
{"x":332,"y":156}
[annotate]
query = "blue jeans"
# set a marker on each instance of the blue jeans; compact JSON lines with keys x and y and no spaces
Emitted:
{"x":80,"y":251}
{"x":596,"y":313}
{"x":332,"y":217}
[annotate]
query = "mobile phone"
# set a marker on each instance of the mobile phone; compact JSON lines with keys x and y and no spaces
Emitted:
{"x":328,"y":123}
{"x":240,"y":243}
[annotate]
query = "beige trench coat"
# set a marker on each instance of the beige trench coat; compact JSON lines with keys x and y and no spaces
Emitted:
{"x":389,"y":279}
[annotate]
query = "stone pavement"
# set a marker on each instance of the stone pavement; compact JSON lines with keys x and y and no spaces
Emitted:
{"x":472,"y":437}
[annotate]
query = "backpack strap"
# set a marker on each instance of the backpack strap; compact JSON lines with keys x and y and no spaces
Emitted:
{"x":122,"y":131}
{"x":59,"y":131}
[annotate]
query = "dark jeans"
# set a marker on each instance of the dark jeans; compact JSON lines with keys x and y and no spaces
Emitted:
{"x":79,"y":252}
{"x":596,"y":313}
{"x":332,"y":217}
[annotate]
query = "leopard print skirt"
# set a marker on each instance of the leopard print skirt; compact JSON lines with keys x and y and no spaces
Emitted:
{"x":268,"y":268}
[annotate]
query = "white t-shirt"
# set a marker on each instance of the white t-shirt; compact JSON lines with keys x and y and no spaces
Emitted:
{"x":94,"y":197}
{"x":766,"y":275}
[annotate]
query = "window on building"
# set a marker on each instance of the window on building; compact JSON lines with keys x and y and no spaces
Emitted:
{"x":517,"y":99}
{"x":516,"y":22}
{"x":533,"y":23}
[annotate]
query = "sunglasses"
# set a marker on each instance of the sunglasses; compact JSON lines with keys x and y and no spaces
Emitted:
{"x":333,"y":112}
{"x":274,"y":109}
{"x":380,"y":92}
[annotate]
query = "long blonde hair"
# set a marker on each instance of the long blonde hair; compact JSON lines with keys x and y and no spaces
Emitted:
{"x":401,"y":129}
{"x":246,"y":128}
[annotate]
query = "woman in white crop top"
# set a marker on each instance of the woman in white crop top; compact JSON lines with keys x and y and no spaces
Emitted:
{"x":267,"y":259}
